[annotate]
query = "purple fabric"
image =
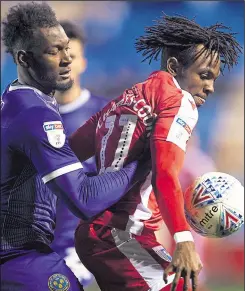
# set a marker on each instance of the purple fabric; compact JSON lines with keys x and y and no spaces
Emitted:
{"x":85,"y":196}
{"x":28,"y":206}
{"x":35,"y":271}
{"x":88,"y":196}
{"x":66,"y":221}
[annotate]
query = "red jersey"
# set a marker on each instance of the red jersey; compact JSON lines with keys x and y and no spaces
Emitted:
{"x":156,"y":110}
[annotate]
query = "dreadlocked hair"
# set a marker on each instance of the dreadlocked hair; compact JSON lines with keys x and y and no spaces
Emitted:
{"x":21,"y":21}
{"x":180,"y":37}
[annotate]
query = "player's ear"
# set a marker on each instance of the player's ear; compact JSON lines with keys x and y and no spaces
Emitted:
{"x":22,"y":58}
{"x":173,"y":66}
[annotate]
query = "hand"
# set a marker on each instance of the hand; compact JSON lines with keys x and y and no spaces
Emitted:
{"x":186,"y":263}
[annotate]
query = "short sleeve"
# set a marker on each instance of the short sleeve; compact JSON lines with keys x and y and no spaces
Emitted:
{"x":176,"y":119}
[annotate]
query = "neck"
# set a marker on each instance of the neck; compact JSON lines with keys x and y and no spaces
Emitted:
{"x":68,"y":96}
{"x":25,"y":78}
{"x":163,"y":68}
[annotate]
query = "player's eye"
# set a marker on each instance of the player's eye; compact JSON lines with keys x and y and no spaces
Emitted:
{"x":207,"y":76}
{"x":53,"y":52}
{"x":204,"y":76}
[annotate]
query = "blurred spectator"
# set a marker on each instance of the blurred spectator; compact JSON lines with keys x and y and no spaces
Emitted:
{"x":77,"y":105}
{"x":227,"y":147}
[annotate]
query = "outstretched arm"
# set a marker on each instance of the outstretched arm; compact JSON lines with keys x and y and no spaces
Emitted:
{"x":45,"y":144}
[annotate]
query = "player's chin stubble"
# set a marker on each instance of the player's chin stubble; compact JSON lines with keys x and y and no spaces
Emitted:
{"x":52,"y":82}
{"x":64,"y":86}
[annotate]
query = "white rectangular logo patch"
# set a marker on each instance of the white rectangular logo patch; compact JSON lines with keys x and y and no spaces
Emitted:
{"x":179,"y":132}
{"x":55,"y":133}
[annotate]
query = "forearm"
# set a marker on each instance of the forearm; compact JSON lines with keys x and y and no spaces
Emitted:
{"x":87,"y":196}
{"x":167,"y":159}
{"x":170,"y":201}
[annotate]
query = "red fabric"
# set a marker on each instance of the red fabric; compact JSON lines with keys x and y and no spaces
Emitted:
{"x":99,"y":254}
{"x":179,"y":286}
{"x":112,"y":269}
{"x":84,"y":150}
{"x":168,"y":159}
{"x":119,"y":134}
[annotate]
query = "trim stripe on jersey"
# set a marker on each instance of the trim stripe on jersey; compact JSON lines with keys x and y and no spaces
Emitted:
{"x":61,"y":171}
{"x":150,"y":270}
{"x":142,"y":212}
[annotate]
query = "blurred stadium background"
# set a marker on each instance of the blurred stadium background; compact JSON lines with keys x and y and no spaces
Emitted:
{"x":111,"y":28}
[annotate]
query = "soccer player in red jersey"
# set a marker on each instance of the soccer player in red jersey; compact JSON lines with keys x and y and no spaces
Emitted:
{"x":119,"y":246}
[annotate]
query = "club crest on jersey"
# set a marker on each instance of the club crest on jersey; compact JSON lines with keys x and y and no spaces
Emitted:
{"x":162,"y":253}
{"x":58,"y":282}
{"x":184,"y":124}
{"x":55,"y":133}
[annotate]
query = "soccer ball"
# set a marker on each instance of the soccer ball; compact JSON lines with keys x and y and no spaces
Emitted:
{"x":214,"y":205}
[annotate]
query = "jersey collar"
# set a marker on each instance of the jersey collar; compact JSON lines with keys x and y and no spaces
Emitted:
{"x":77,"y":103}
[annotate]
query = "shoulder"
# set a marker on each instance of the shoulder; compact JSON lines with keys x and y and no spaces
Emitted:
{"x":20,"y":98}
{"x":165,"y":83}
{"x":162,"y":92}
{"x":32,"y":125}
{"x":160,"y":87}
{"x":13,"y":104}
{"x":99,"y":101}
{"x":29,"y":117}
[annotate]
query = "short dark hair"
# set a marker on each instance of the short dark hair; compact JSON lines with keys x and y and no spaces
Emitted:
{"x":22,"y":20}
{"x":73,"y":31}
{"x":180,"y":37}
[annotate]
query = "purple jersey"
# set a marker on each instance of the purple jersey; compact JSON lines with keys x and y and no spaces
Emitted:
{"x":35,"y":152}
{"x":41,"y":270}
{"x":29,"y":121}
{"x":74,"y":115}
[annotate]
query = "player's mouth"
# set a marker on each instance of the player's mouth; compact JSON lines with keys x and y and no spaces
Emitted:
{"x":66,"y":74}
{"x":199,"y":100}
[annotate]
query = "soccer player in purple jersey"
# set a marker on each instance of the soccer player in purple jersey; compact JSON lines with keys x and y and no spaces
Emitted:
{"x":37,"y":163}
{"x":76,"y":106}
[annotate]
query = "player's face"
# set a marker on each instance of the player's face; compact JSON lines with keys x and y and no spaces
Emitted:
{"x":79,"y":62}
{"x":50,"y":64}
{"x":198,"y":79}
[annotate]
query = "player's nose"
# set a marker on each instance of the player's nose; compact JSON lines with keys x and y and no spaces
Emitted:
{"x":66,"y":58}
{"x":209,"y":87}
